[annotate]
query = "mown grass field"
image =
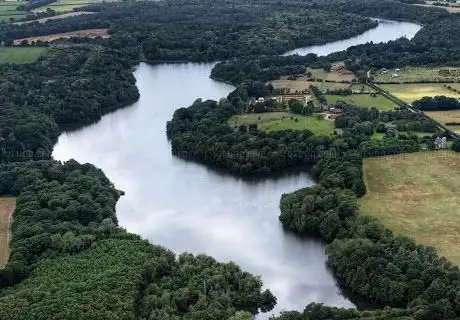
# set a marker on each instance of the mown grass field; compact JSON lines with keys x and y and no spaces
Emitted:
{"x":450,"y":116}
{"x":8,"y":11}
{"x":20,"y":55}
{"x":364,"y":100}
{"x":7,"y":206}
{"x":65,"y":5}
{"x":414,"y":91}
{"x":330,"y":76}
{"x":276,"y":121}
{"x":417,"y":195}
{"x":413,"y":74}
{"x":301,"y":84}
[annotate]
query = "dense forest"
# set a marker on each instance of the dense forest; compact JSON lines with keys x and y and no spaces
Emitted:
{"x":68,"y":248}
{"x":66,"y":88}
{"x":69,"y":258}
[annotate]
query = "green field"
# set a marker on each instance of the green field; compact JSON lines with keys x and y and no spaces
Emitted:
{"x":414,"y":91}
{"x":64,"y":5}
{"x":276,"y":121}
{"x":20,"y":54}
{"x":419,"y":74}
{"x":417,"y":195}
{"x":364,"y":100}
{"x":8,"y":11}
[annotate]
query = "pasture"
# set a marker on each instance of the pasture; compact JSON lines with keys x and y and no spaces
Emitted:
{"x":301,"y":84}
{"x":20,"y":55}
{"x":420,"y":74}
{"x":409,"y":92}
{"x":416,"y":195}
{"x":276,"y":121}
{"x":65,"y":5}
{"x":7,"y":206}
{"x":364,"y":100}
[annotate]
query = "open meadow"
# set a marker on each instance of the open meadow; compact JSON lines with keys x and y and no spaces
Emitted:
{"x":7,"y":206}
{"x":276,"y":121}
{"x":8,"y":11}
{"x":364,"y":100}
{"x":420,"y":74}
{"x":301,"y":84}
{"x":417,"y":195}
{"x":413,"y":91}
{"x":450,"y":118}
{"x":64,"y":5}
{"x":20,"y":55}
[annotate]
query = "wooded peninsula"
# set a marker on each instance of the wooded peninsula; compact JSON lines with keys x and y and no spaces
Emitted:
{"x":69,"y":258}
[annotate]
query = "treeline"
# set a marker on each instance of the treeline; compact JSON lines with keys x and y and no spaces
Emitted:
{"x":436,"y":103}
{"x":368,"y":260}
{"x":68,"y":250}
{"x":66,"y":88}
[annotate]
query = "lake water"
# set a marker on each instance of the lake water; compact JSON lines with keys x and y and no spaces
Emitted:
{"x":384,"y":32}
{"x":187,"y":207}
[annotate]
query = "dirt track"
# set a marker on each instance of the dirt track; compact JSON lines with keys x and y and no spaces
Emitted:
{"x":7,"y":207}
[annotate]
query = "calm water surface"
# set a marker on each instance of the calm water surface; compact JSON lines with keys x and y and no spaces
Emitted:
{"x":187,"y":207}
{"x":384,"y":32}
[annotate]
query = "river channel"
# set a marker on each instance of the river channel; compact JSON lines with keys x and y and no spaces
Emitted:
{"x":188,"y":207}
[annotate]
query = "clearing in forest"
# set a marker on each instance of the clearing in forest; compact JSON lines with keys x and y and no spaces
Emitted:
{"x":276,"y":121}
{"x":409,"y":92}
{"x":301,"y":84}
{"x":7,"y":206}
{"x":20,"y":55}
{"x":416,"y":195}
{"x":364,"y":100}
{"x":89,"y":33}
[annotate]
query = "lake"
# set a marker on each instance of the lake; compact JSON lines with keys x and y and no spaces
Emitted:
{"x":187,"y":207}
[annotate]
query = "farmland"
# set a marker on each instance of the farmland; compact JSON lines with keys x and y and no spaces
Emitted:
{"x":364,"y":100}
{"x":8,"y":11}
{"x":90,"y":33}
{"x":415,"y":199}
{"x":276,"y":121}
{"x":413,"y":91}
{"x":59,"y":16}
{"x":449,"y":118}
{"x":420,"y":74}
{"x":301,"y":85}
{"x":20,"y":55}
{"x":64,"y":5}
{"x":7,"y":206}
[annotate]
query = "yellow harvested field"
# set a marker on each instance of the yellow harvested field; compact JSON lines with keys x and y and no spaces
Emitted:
{"x":7,"y":206}
{"x":59,"y":16}
{"x":414,"y":91}
{"x":90,"y":33}
{"x":416,"y":195}
{"x":445,"y":116}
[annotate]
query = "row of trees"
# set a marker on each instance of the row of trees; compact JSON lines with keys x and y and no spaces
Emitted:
{"x":436,"y":103}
